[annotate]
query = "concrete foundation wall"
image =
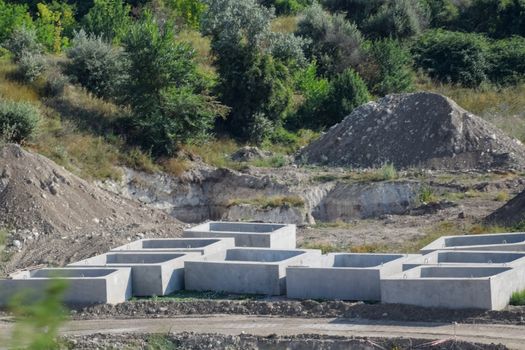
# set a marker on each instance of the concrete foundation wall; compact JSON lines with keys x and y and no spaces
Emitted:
{"x":85,"y":286}
{"x":344,"y":276}
{"x":252,"y":271}
{"x":488,"y":242}
{"x":454,"y":287}
{"x":466,"y":258}
{"x":204,"y":246}
{"x":277,"y":236}
{"x":152,"y":273}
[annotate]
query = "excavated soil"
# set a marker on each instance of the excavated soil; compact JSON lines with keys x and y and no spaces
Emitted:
{"x":55,"y":217}
{"x":424,"y":130}
{"x":192,"y":341}
{"x":293,"y":308}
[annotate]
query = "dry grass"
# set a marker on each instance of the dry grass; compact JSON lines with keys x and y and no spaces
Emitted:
{"x":216,"y":152}
{"x":285,"y":24}
{"x":332,"y":248}
{"x":386,"y":173}
{"x":137,"y":159}
{"x":268,"y":202}
{"x":502,"y":196}
{"x":202,"y":47}
{"x":176,"y":166}
{"x":14,"y":90}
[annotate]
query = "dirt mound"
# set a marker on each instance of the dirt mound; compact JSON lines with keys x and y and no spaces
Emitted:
{"x":422,"y":129}
{"x":54,"y":216}
{"x":511,"y":214}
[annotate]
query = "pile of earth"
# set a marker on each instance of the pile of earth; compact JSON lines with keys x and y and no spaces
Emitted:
{"x":510,"y":214}
{"x":192,"y":341}
{"x":55,"y":217}
{"x":423,"y":130}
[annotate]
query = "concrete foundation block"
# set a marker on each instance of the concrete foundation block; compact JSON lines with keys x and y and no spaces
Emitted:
{"x":344,"y":276}
{"x":85,"y":286}
{"x":248,"y":270}
{"x":152,"y":273}
{"x":204,"y":246}
{"x":247,"y":234}
{"x":454,"y":287}
{"x":495,"y":242}
{"x":467,"y":258}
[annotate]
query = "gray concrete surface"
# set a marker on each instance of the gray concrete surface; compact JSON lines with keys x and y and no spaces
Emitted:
{"x":85,"y":286}
{"x":344,"y":276}
{"x":204,"y":246}
{"x":493,"y":241}
{"x":247,"y":234}
{"x":467,"y":258}
{"x":248,"y":270}
{"x":455,"y":287}
{"x":152,"y":273}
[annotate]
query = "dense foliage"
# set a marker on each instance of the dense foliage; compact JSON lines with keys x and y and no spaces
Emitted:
{"x":18,"y":120}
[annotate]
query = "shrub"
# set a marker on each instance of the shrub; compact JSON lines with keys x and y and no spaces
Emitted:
{"x":286,"y":7}
{"x":96,"y":64}
{"x":31,"y":66}
{"x":507,"y":61}
{"x":387,"y":68}
{"x":518,"y":298}
{"x":55,"y":83}
{"x":23,"y":40}
{"x":335,"y":42}
{"x":496,"y":18}
{"x":453,"y":56}
{"x":13,"y":16}
{"x":108,"y":18}
{"x":18,"y":120}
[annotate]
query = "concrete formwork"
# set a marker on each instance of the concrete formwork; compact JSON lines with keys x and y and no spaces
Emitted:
{"x":204,"y":246}
{"x":495,"y":241}
{"x":85,"y":286}
{"x":467,"y":258}
{"x":455,"y":287}
{"x":248,"y":270}
{"x":247,"y":234}
{"x":152,"y":273}
{"x":344,"y":276}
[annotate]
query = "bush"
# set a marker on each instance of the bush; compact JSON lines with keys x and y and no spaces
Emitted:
{"x":335,"y":42}
{"x":31,"y":66}
{"x":387,"y":68}
{"x":287,"y":7}
{"x":21,"y":41}
{"x":55,"y":83}
{"x":496,"y":18}
{"x":18,"y":120}
{"x":453,"y":56}
{"x":96,"y":64}
{"x":507,"y":61}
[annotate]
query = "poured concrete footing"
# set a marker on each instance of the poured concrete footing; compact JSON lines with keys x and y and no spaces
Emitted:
{"x":344,"y":276}
{"x":467,"y":258}
{"x":152,"y":273}
{"x":204,"y":246}
{"x":247,"y":234}
{"x":491,"y":242}
{"x":454,"y":287}
{"x":248,"y":270}
{"x":85,"y":286}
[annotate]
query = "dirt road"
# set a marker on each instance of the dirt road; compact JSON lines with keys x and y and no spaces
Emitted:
{"x":511,"y":336}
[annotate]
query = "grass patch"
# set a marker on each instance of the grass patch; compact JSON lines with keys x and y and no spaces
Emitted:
{"x":216,"y":152}
{"x":518,"y":298}
{"x":159,"y":342}
{"x":139,"y":160}
{"x":270,"y":202}
{"x":332,"y":248}
{"x":284,"y":24}
{"x":386,"y":173}
{"x":176,"y":166}
{"x":502,"y":196}
{"x":277,"y":161}
{"x":11,"y":89}
{"x":185,"y":295}
{"x":333,"y":224}
{"x":427,"y":195}
{"x":325,"y":178}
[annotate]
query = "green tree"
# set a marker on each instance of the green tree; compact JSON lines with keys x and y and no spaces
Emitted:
{"x":190,"y":11}
{"x":254,"y":83}
{"x":496,"y":18}
{"x":50,"y":23}
{"x":169,"y":97}
{"x":507,"y":61}
{"x":387,"y":68}
{"x":13,"y":16}
{"x":109,"y":19}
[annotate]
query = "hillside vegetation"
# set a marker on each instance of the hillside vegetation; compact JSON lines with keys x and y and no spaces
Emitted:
{"x":151,"y":83}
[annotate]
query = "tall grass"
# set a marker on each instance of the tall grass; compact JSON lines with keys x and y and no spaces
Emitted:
{"x":518,"y":298}
{"x":268,"y":202}
{"x":10,"y":88}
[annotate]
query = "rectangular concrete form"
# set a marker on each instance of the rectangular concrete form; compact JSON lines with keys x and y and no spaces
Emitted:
{"x":247,"y":234}
{"x":344,"y":276}
{"x":467,"y":258}
{"x":85,"y":286}
{"x":152,"y":273}
{"x":495,"y":242}
{"x":204,"y":246}
{"x":248,"y":270}
{"x":454,"y":287}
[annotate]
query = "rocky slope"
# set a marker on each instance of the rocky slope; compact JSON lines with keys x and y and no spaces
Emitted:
{"x":510,"y":214}
{"x":424,"y":130}
{"x":54,"y":216}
